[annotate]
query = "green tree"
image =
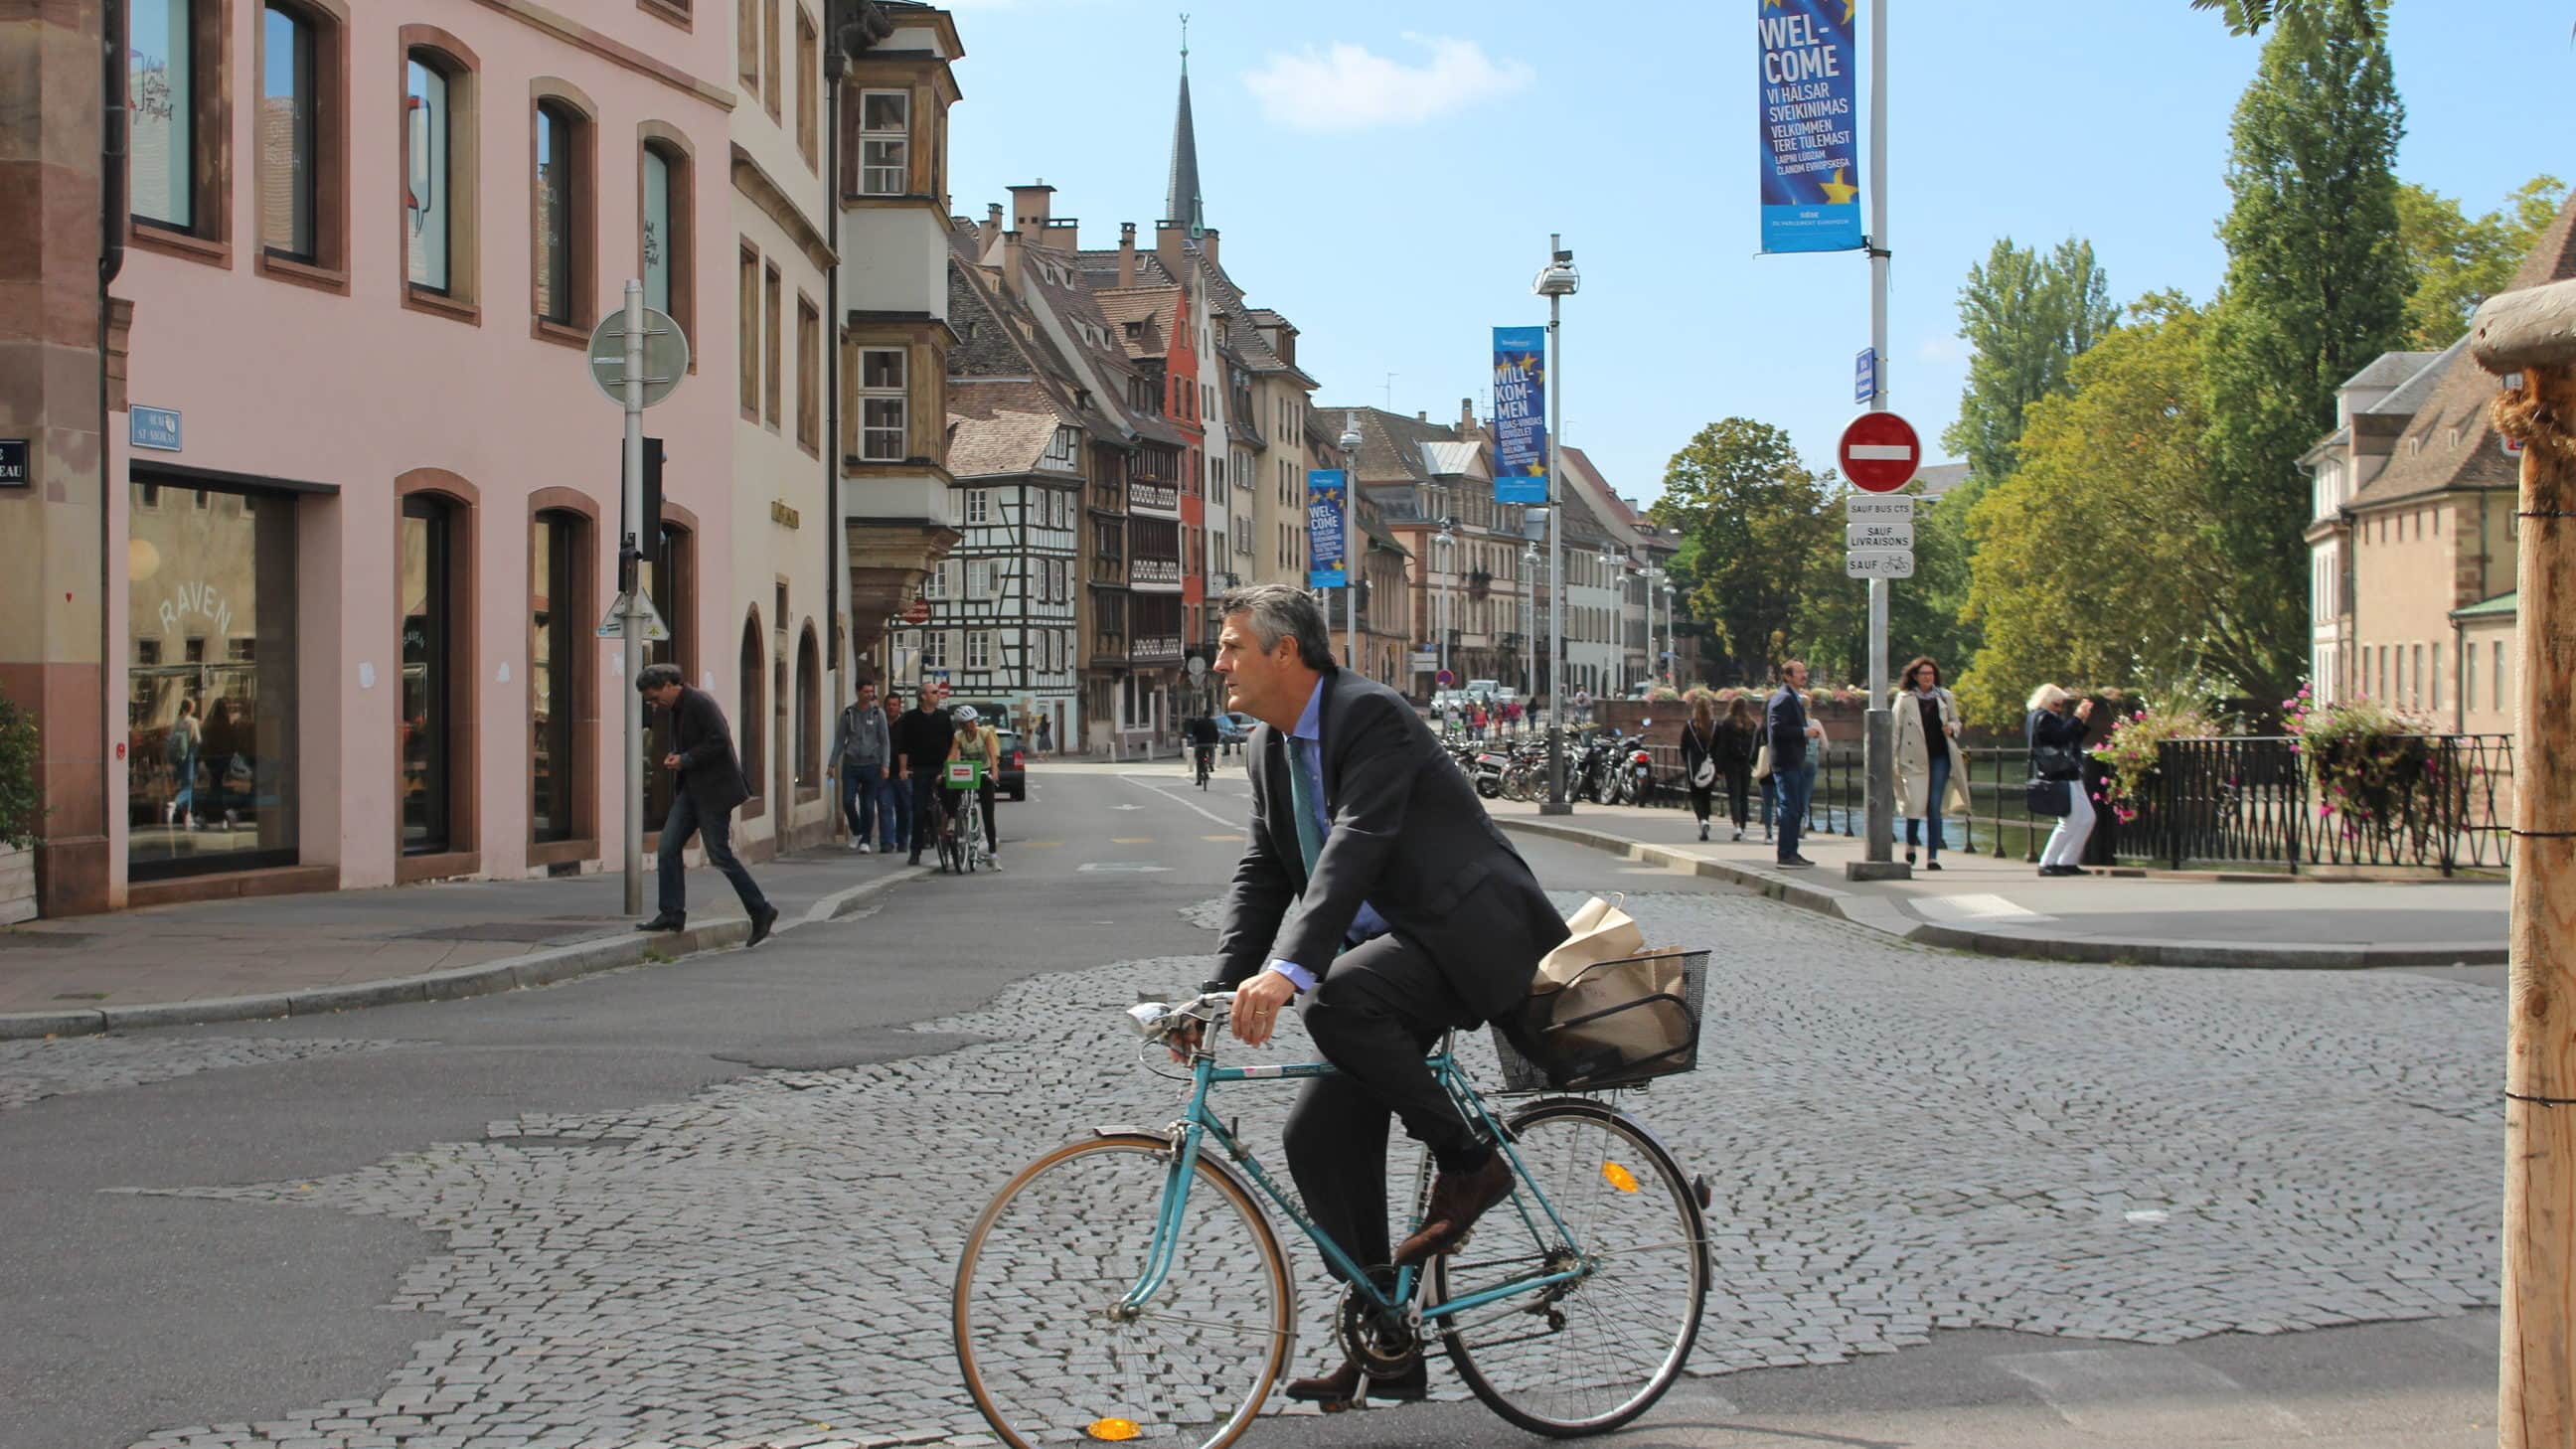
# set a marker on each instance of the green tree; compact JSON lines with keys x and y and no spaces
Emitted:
{"x":1749,"y":518}
{"x":2455,"y":262}
{"x":2092,"y":563}
{"x":2025,"y":317}
{"x":2316,"y":289}
{"x":2248,"y":16}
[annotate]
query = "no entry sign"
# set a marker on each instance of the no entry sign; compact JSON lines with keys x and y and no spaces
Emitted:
{"x":1879,"y":452}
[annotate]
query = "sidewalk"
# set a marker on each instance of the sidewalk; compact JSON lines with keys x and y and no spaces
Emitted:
{"x":244,"y":960}
{"x":2004,"y":908}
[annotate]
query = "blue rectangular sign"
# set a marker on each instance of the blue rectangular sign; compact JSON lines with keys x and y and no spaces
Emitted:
{"x":1865,"y":375}
{"x":1327,"y":565}
{"x":153,"y":428}
{"x":1520,"y":415}
{"x":1809,"y":127}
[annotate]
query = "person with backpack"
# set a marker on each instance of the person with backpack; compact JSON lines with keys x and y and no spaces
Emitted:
{"x":860,"y":748}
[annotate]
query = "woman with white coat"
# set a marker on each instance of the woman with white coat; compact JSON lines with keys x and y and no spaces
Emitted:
{"x":2059,"y":735}
{"x":1931,"y":769}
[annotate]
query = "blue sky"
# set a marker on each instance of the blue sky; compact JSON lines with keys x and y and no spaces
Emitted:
{"x":1387,"y":174}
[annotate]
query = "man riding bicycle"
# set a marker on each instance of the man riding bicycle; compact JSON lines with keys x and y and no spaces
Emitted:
{"x":1203,"y":736}
{"x":974,"y":740}
{"x":1419,"y":917}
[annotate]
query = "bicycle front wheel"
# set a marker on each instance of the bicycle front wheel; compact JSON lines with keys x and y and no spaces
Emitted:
{"x":1048,"y":1353}
{"x":1587,"y":1356}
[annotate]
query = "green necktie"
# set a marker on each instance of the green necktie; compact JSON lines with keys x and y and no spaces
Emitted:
{"x":1301,"y":798}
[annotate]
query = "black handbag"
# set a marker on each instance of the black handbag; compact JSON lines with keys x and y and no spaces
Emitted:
{"x":2049,"y":797}
{"x":2056,"y":762}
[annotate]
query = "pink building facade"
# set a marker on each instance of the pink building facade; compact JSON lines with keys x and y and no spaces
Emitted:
{"x":362,"y":497}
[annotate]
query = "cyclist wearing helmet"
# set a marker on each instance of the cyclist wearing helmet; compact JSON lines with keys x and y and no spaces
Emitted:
{"x":975,"y":740}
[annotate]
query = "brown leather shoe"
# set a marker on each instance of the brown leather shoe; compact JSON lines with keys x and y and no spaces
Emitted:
{"x":1457,"y":1200}
{"x":1340,"y":1389}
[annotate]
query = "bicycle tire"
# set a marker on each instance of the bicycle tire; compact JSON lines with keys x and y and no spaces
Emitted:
{"x":1571,"y":1146}
{"x":1019,"y":1371}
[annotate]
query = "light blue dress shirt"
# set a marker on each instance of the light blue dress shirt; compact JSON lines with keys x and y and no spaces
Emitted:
{"x":1368,"y":924}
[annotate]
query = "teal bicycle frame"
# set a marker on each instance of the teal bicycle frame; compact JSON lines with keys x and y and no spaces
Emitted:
{"x":1197,"y":1125}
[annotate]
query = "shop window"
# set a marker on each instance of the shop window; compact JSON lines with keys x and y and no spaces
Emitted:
{"x":747,"y":710}
{"x":670,"y":580}
{"x":558,"y":606}
{"x":211,"y":760}
{"x":431,"y":693}
{"x":809,"y":708}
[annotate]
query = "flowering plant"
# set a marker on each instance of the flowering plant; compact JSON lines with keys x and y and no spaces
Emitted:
{"x":2365,"y":760}
{"x":2132,"y":754}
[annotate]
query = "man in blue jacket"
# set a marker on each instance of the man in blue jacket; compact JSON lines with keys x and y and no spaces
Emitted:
{"x":1786,"y":720}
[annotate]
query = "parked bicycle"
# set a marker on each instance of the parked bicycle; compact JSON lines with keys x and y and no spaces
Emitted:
{"x":1129,"y":1285}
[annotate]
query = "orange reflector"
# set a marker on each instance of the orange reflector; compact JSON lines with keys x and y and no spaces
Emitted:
{"x":1619,"y":1177}
{"x":1113,"y":1430}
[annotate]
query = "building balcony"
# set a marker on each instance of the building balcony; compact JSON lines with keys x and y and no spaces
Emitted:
{"x":1160,"y":497}
{"x":1156,"y":571}
{"x":1156,"y":649}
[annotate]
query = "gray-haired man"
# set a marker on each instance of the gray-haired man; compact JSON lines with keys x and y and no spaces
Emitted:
{"x":698,"y":749}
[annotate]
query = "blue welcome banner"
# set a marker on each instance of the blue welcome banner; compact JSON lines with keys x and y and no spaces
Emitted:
{"x":1327,"y":565}
{"x":1810,"y":127}
{"x":1520,"y":415}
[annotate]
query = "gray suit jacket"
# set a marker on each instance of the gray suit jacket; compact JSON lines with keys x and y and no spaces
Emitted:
{"x":1409,"y":838}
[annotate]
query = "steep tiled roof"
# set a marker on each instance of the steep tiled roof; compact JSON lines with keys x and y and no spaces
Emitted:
{"x":1000,"y":426}
{"x":2390,"y":368}
{"x":1451,"y":460}
{"x":2449,"y":443}
{"x":2409,"y":396}
{"x":1391,"y":443}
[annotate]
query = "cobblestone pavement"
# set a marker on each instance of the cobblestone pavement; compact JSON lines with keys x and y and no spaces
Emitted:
{"x":31,"y":1070}
{"x":1900,"y":1140}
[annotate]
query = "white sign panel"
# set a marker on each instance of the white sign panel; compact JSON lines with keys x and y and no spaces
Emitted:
{"x":1899,"y":534}
{"x":1879,"y":563}
{"x":1877,"y":507}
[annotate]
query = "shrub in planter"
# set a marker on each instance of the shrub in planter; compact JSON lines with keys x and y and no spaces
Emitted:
{"x":21,"y":805}
{"x":2132,"y":755}
{"x":2368,"y":765}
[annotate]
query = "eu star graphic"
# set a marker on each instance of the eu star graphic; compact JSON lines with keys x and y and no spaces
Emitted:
{"x":1838,"y":193}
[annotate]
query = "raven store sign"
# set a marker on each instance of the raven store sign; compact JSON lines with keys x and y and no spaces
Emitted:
{"x":14,"y":464}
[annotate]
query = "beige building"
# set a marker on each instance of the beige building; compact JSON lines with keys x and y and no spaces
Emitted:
{"x":2413,"y":536}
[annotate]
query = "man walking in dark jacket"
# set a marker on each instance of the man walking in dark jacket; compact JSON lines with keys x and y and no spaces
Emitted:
{"x":1785,"y":720}
{"x":697,"y":748}
{"x":921,"y":737}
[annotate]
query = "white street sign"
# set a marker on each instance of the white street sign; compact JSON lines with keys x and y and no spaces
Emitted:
{"x":1879,"y":563}
{"x":1899,"y":534}
{"x":666,"y":356}
{"x":1859,"y":506}
{"x":612,"y":625}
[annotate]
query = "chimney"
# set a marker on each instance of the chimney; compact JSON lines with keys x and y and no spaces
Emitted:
{"x":1126,"y":253}
{"x":1064,"y":234}
{"x":1031,"y":207}
{"x":1466,"y":416}
{"x":1169,"y":239}
{"x":1011,"y":285}
{"x":991,"y":231}
{"x":1422,"y":417}
{"x":1207,"y":243}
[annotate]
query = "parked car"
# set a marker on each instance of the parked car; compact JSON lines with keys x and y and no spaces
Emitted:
{"x":1014,"y":778}
{"x":1235,"y":728}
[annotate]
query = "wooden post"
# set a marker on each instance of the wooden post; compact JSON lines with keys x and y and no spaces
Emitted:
{"x":2529,"y":338}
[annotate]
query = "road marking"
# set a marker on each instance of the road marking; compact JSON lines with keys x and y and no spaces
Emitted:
{"x":2142,"y":1395}
{"x":1037,"y":844}
{"x":1973,"y":908}
{"x":1134,"y":867}
{"x":1235,"y":839}
{"x":1131,"y":840}
{"x":1175,"y":799}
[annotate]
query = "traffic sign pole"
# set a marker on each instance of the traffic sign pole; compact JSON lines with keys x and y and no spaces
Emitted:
{"x":633,"y":643}
{"x":1878,"y":750}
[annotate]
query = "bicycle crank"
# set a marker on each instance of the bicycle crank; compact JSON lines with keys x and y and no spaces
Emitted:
{"x":1384,"y":1347}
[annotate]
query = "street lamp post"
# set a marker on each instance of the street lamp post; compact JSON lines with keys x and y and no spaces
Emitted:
{"x":1529,"y":633}
{"x":1447,"y":542}
{"x":1672,"y":674}
{"x":1617,"y":568}
{"x":1350,"y":441}
{"x":1556,"y":282}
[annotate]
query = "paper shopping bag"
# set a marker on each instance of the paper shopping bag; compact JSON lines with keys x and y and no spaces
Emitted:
{"x":1600,"y":931}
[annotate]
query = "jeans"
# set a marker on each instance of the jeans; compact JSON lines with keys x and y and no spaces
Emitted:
{"x":894,"y":813}
{"x":859,"y":798}
{"x":1739,"y":784}
{"x":926,"y":809}
{"x":1770,"y":802}
{"x":714,"y":830}
{"x":1932,"y":806}
{"x":1797,"y":785}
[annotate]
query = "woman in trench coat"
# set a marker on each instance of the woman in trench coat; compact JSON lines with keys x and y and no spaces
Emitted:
{"x":1931,"y":768}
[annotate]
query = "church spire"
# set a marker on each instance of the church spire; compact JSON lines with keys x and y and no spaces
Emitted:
{"x":1181,"y":202}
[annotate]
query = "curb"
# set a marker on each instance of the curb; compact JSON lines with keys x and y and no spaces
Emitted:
{"x":510,"y":973}
{"x":1878,"y":914}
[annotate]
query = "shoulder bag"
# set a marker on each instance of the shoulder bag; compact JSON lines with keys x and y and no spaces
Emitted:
{"x":1704,"y":774}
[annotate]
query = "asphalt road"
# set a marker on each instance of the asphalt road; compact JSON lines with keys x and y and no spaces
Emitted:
{"x":126,"y":1313}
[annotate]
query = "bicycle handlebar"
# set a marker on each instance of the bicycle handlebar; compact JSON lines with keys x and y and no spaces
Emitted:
{"x":1159,"y":1020}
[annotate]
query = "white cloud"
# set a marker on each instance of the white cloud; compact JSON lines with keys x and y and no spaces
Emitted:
{"x":1347,"y":88}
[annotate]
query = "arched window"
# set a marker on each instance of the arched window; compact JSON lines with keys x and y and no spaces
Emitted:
{"x":748,"y":710}
{"x":809,"y":709}
{"x":439,"y":189}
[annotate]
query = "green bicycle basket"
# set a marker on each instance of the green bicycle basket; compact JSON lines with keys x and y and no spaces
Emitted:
{"x":963,"y":774}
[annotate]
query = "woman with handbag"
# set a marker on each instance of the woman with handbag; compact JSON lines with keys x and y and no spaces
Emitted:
{"x":1699,"y":760}
{"x":2057,"y":775}
{"x":1739,"y":747}
{"x":1930,"y":766}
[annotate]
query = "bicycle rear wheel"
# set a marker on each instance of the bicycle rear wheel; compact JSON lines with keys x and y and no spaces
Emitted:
{"x":1047,"y":1358}
{"x":1587,"y":1357}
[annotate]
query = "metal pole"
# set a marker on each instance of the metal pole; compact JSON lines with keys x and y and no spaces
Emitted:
{"x":1350,"y":565}
{"x":1556,"y":804}
{"x":1879,"y":745}
{"x":632,"y":643}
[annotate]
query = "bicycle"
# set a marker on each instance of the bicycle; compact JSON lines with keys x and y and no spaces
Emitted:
{"x":961,"y":842}
{"x":1202,"y":764}
{"x":1092,"y":1294}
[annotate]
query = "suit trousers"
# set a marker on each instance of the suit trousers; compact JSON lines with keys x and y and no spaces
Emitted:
{"x":1378,"y":1009}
